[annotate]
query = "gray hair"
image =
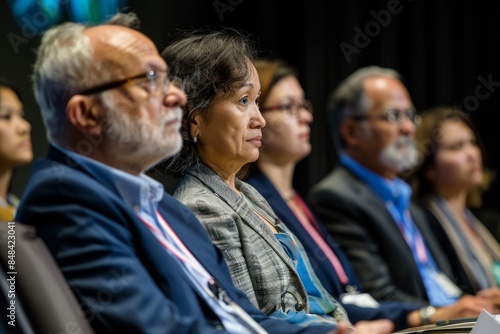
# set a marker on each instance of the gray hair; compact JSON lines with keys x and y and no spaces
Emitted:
{"x":64,"y":66}
{"x":349,"y":98}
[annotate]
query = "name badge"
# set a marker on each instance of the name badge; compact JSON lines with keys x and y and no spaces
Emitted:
{"x":449,"y":288}
{"x":359,"y":299}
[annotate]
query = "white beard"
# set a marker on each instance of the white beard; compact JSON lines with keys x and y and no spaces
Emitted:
{"x":139,"y":139}
{"x":400,"y":155}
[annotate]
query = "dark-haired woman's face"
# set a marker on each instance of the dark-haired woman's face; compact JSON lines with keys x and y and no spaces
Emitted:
{"x":231,"y":136}
{"x":15,"y":142}
{"x":457,"y":161}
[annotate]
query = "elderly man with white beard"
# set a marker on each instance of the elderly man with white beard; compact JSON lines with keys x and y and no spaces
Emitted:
{"x":137,"y":259}
{"x":367,"y":208}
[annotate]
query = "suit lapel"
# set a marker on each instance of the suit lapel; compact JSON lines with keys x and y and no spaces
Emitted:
{"x":208,"y":177}
{"x":371,"y":202}
{"x":191,"y":233}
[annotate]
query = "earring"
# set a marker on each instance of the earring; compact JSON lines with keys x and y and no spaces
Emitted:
{"x":195,"y":139}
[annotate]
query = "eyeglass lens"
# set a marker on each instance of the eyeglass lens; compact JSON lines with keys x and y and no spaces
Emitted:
{"x":394,"y":115}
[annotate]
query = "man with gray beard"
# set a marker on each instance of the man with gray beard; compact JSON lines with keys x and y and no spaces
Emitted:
{"x":137,"y":259}
{"x":367,"y":208}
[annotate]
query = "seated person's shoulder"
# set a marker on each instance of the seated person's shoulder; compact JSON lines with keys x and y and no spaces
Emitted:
{"x":338,"y":184}
{"x":57,"y":194}
{"x":191,"y":191}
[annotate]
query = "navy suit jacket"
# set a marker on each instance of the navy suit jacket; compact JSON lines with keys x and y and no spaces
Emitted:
{"x":395,"y":311}
{"x":125,"y":280}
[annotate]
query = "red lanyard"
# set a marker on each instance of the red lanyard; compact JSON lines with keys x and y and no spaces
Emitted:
{"x":413,"y":238}
{"x":318,"y":238}
{"x":186,"y":257}
{"x":184,"y":254}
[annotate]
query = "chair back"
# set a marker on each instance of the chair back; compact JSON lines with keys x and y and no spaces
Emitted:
{"x":32,"y":282}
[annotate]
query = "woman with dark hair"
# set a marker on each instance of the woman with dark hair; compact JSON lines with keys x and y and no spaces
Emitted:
{"x":15,"y":145}
{"x":286,"y":142}
{"x":222,"y":130}
{"x":448,"y":182}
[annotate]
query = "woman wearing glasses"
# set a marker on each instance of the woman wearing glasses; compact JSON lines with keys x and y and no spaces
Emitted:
{"x":448,"y":181}
{"x":15,"y":145}
{"x":286,"y":142}
{"x":222,"y":132}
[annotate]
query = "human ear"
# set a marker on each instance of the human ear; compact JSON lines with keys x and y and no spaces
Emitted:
{"x":84,"y":114}
{"x":350,"y":132}
{"x":195,"y":125}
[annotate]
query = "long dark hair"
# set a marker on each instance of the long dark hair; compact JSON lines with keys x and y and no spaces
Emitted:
{"x":427,"y":138}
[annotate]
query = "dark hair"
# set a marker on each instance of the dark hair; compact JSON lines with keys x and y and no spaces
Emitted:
{"x":209,"y":65}
{"x":427,"y":139}
{"x":5,"y":83}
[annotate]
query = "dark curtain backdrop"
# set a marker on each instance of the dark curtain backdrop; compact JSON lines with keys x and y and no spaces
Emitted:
{"x":447,"y":51}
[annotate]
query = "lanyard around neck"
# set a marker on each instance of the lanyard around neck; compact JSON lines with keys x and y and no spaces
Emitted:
{"x":184,"y":255}
{"x":313,"y":229}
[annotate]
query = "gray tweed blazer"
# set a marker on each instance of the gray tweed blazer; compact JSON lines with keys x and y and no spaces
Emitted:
{"x":258,"y":264}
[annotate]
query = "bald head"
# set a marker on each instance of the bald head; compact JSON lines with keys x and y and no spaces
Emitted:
{"x":380,"y":89}
{"x":122,"y":50}
{"x":73,"y":57}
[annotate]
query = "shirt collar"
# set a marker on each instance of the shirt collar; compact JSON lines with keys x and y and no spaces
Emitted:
{"x":141,"y":192}
{"x":396,"y":191}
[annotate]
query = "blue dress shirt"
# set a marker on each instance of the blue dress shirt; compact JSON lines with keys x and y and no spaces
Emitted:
{"x":396,"y":195}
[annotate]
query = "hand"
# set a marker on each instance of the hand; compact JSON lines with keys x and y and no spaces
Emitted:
{"x":342,"y":328}
{"x":467,"y":306}
{"x":492,"y":295}
{"x":382,"y":326}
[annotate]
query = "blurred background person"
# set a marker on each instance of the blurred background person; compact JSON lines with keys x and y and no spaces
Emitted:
{"x":15,"y":145}
{"x":222,"y":128}
{"x":448,"y":182}
{"x":285,"y":139}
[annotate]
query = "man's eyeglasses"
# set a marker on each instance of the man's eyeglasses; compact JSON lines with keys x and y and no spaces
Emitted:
{"x":154,"y":82}
{"x":291,"y":108}
{"x":392,"y":115}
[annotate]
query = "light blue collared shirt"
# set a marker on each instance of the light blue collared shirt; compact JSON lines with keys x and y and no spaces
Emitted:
{"x":396,"y":195}
{"x":143,"y":194}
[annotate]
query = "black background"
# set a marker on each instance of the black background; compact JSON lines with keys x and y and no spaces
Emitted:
{"x":443,"y":49}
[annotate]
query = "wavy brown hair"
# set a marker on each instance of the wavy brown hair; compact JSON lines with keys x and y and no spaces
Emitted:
{"x":427,"y":139}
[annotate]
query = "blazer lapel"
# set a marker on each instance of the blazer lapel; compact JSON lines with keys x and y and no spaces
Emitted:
{"x":372,"y":203}
{"x":267,"y":189}
{"x":190,"y":232}
{"x":208,"y":177}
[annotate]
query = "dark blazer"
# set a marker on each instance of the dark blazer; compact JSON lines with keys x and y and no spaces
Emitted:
{"x":370,"y":237}
{"x":395,"y":311}
{"x":451,"y":243}
{"x":125,"y":280}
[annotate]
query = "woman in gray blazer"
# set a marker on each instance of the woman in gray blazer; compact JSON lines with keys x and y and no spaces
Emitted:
{"x":222,"y":133}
